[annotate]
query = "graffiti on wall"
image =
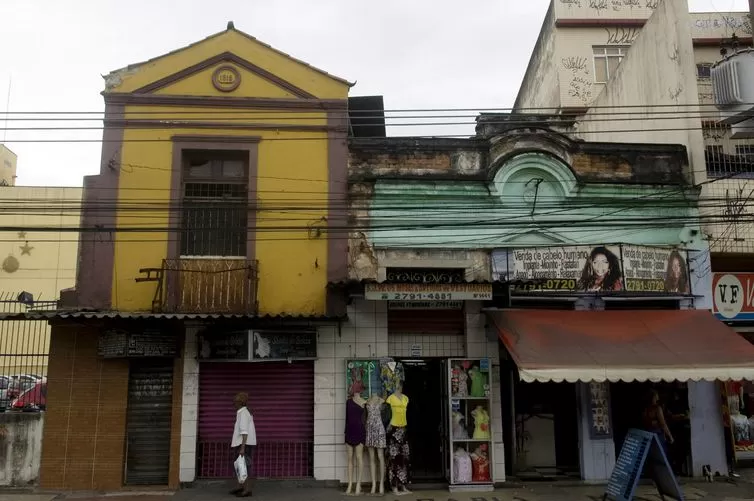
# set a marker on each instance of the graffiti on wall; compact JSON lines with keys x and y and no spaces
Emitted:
{"x":621,"y":36}
{"x":739,"y":24}
{"x":615,"y":5}
{"x":580,"y":85}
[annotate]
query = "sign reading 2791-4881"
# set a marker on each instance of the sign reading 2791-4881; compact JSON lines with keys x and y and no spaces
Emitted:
{"x":428,"y":292}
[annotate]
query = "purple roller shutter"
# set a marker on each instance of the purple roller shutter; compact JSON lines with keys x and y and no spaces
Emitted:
{"x":281,"y":399}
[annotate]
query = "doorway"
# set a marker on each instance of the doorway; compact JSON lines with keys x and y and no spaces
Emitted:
{"x":424,"y":387}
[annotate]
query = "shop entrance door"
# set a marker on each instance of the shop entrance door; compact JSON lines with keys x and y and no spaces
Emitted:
{"x":424,"y":387}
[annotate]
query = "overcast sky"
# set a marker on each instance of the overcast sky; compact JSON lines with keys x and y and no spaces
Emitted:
{"x":417,"y":53}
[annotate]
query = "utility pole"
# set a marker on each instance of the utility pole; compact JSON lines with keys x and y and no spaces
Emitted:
{"x":751,"y":12}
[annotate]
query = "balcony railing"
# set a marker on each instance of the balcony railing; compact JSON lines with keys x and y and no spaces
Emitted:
{"x":205,"y":285}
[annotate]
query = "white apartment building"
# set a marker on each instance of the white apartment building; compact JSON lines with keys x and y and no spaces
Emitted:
{"x":577,"y":56}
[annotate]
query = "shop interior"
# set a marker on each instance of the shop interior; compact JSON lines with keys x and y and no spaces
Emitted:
{"x":628,"y":401}
{"x":424,"y":387}
{"x":546,"y":431}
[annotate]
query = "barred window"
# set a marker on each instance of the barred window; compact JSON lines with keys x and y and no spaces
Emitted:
{"x":215,"y":208}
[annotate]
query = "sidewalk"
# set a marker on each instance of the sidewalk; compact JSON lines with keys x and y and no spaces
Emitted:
{"x":281,"y":491}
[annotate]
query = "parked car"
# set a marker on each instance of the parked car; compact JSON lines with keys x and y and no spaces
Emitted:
{"x":33,"y":399}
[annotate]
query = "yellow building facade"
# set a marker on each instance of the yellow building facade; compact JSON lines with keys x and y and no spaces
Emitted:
{"x":39,"y":257}
{"x":214,"y":219}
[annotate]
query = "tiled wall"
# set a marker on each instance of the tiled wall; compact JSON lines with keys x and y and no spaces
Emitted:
{"x":365,"y":335}
{"x":189,"y":408}
{"x":451,"y":345}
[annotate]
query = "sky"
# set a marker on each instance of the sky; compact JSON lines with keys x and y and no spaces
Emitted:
{"x":418,"y":54}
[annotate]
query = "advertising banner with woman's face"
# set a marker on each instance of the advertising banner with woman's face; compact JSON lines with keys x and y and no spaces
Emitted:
{"x":598,"y":268}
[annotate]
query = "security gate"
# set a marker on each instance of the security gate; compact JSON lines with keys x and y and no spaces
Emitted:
{"x":150,"y":396}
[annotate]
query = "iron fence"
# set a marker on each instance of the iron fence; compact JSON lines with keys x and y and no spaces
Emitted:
{"x":24,"y":351}
{"x":273,"y":460}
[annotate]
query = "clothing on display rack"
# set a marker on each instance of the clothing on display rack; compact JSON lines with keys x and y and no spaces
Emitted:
{"x":463,"y":382}
{"x":459,"y":427}
{"x":398,"y":451}
{"x":478,"y":382}
{"x":481,"y":423}
{"x":462,"y":466}
{"x":480,"y":465}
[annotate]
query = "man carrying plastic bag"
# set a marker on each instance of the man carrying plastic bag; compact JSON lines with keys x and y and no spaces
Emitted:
{"x":242,"y":444}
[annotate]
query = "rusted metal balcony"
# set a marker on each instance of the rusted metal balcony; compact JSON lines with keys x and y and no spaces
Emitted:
{"x":205,"y":285}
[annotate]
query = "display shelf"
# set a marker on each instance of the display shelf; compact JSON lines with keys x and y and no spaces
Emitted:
{"x":469,"y":459}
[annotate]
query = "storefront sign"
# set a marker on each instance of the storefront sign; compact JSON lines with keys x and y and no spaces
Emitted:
{"x":425,"y":305}
{"x":117,"y":343}
{"x":599,"y":268}
{"x":599,"y":411}
{"x":733,"y":296}
{"x":428,"y":292}
{"x":224,"y":345}
{"x":655,"y":269}
{"x":416,"y":351}
{"x":277,"y":345}
{"x":258,"y":346}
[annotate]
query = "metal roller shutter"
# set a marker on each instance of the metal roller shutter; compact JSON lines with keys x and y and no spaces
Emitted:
{"x":446,"y":322}
{"x":281,"y":399}
{"x":150,"y":402}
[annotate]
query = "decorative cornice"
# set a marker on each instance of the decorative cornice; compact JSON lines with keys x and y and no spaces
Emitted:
{"x":189,"y":124}
{"x":226,"y":102}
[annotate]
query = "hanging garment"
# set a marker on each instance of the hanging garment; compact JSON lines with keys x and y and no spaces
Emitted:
{"x":478,"y":382}
{"x":398,"y":456}
{"x":481,"y":424}
{"x":375,"y":429}
{"x":355,"y":430}
{"x":459,"y":428}
{"x":480,"y":467}
{"x":463,"y":384}
{"x":462,"y":467}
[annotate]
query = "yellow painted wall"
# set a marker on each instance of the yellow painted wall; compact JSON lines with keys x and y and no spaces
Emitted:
{"x":292,"y":169}
{"x":43,"y":268}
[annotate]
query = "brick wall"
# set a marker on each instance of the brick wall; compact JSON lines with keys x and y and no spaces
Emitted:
{"x":83,"y":444}
{"x":84,"y":435}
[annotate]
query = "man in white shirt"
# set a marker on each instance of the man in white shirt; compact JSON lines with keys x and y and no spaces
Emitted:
{"x":244,"y":440}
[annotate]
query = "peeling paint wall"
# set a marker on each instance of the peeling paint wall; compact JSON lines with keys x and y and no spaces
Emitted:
{"x":20,"y":448}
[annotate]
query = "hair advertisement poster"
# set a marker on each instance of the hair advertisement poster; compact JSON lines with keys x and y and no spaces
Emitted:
{"x":596,"y":268}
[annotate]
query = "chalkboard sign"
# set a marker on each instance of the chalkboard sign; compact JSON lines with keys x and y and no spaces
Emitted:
{"x":224,"y":345}
{"x":641,"y":452}
{"x":282,"y":345}
{"x":117,"y":343}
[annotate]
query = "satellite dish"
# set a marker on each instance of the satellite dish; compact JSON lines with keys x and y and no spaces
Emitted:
{"x":25,"y":298}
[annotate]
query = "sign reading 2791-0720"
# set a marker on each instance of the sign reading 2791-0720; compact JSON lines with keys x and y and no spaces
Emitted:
{"x":428,"y":292}
{"x":733,"y":296}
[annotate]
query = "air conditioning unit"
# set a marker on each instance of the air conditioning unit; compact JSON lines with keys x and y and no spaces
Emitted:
{"x":733,"y":86}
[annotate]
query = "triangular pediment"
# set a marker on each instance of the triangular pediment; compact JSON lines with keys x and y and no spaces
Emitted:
{"x":538,"y":238}
{"x":225,"y":74}
{"x":228,"y":64}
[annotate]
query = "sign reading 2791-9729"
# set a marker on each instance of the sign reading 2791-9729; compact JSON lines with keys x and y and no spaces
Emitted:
{"x":733,"y":296}
{"x":428,"y":292}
